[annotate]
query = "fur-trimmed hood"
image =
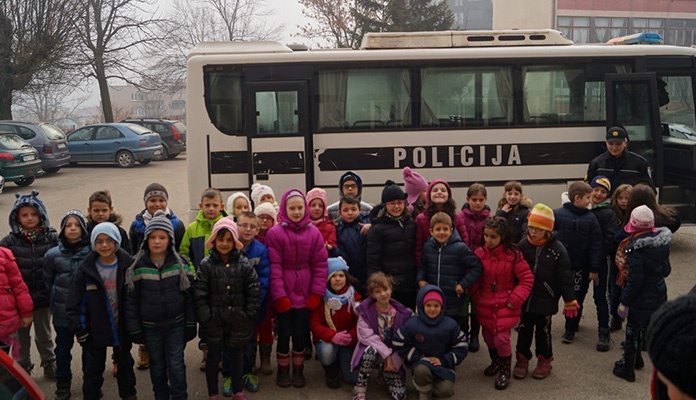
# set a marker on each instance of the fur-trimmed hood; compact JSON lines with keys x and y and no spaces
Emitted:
{"x":661,"y":237}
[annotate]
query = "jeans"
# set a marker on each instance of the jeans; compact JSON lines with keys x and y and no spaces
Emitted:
{"x":235,"y":354}
{"x":42,"y":338}
{"x":64,"y":343}
{"x":295,"y":324}
{"x":581,"y":285}
{"x":165,"y":344}
{"x":93,"y":365}
{"x":329,"y":353}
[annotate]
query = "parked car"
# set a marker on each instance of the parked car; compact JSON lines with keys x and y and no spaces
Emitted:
{"x":173,"y":133}
{"x":47,"y":139}
{"x":19,"y":161}
{"x":15,"y":383}
{"x":119,"y":143}
{"x":681,"y":131}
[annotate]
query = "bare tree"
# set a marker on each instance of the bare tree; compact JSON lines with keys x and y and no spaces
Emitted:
{"x":48,"y":99}
{"x":333,"y":21}
{"x":36,"y":35}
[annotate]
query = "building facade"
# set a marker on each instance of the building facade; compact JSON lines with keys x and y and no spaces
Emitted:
{"x":128,"y":101}
{"x":472,"y":14}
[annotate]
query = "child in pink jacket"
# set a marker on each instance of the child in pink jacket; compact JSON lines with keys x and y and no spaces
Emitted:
{"x":16,"y":306}
{"x":298,"y":260}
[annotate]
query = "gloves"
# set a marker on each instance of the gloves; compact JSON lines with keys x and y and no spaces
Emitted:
{"x":571,"y":308}
{"x":190,"y":332}
{"x":283,"y":305}
{"x":341,"y":338}
{"x":313,"y":301}
{"x":622,"y":311}
{"x":137,"y":336}
{"x":82,"y":340}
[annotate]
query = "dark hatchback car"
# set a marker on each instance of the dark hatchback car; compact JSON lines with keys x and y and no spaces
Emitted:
{"x":47,"y":139}
{"x":172,"y":133}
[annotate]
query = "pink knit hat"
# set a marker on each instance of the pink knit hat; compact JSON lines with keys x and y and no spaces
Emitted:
{"x":224,"y":223}
{"x":642,"y":219}
{"x":414,"y":184}
{"x":432,"y":295}
{"x":318,"y":193}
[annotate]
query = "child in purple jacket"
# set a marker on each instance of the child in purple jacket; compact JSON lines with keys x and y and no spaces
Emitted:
{"x":299,"y":267}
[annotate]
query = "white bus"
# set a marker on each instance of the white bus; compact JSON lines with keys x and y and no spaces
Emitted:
{"x":464,"y":106}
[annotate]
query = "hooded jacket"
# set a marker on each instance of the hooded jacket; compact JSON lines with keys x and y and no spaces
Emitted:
{"x":298,"y":257}
{"x":517,"y":219}
{"x":137,"y":230}
{"x":333,"y":208}
{"x":473,"y":224}
{"x":15,"y":301}
{"x":449,"y":264}
{"x":193,"y":242}
{"x":352,"y":246}
{"x":421,"y":337}
{"x":581,"y":235}
{"x":61,"y":263}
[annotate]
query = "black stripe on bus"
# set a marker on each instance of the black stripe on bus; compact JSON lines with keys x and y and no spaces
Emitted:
{"x":229,"y":162}
{"x":237,"y":162}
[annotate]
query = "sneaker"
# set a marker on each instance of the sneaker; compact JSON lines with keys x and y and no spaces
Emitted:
{"x":143,"y":358}
{"x":568,"y":336}
{"x":251,"y":382}
{"x":239,"y":396}
{"x":49,"y":370}
{"x":227,"y":387}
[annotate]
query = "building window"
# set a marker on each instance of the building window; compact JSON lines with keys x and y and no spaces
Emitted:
{"x":653,"y":25}
{"x":681,"y":32}
{"x":606,"y":28}
{"x":137,"y":97}
{"x":575,"y":28}
{"x":177,"y":104}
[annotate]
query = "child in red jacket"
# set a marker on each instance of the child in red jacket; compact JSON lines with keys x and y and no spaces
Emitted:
{"x":318,"y":214}
{"x":333,"y":324}
{"x":16,"y":306}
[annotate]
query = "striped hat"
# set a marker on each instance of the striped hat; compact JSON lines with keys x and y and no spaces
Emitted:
{"x":541,"y":217}
{"x":601,"y":181}
{"x":159,"y":221}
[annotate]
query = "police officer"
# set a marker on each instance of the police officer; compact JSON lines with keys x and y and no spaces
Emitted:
{"x":619,"y":164}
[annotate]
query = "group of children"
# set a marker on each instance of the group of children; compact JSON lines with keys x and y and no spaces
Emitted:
{"x":343,"y":278}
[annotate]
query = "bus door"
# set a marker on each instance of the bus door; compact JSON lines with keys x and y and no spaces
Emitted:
{"x":278,"y":135}
{"x":632,"y":103}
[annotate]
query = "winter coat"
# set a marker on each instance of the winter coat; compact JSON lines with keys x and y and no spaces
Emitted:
{"x":581,"y":235}
{"x":628,"y":168}
{"x":88,"y":309}
{"x":257,"y":254}
{"x":227,"y":298}
{"x":447,"y":265}
{"x":193,"y":242}
{"x":506,"y":279}
{"x":137,"y":230}
{"x":352,"y":246}
{"x":298,"y":259}
{"x":609,"y":224}
{"x":473,"y":224}
{"x":517,"y":219}
{"x":60,"y":265}
{"x":390,"y":250}
{"x":368,"y":332}
{"x":117,"y":220}
{"x":328,"y":231}
{"x":344,"y":319}
{"x":333,"y":209}
{"x":421,"y":337}
{"x":15,"y":301}
{"x":553,"y":275}
{"x":156,"y":298}
{"x":648,"y":265}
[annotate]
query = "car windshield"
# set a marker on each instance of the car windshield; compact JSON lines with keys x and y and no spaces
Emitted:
{"x":137,"y":129}
{"x":682,"y":132}
{"x":52,"y":132}
{"x":10,"y":141}
{"x":180,"y":127}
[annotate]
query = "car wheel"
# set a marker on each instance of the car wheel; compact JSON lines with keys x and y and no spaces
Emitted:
{"x":125,"y":159}
{"x":52,"y":170}
{"x":165,"y":153}
{"x":25,"y":181}
{"x":146,"y":161}
{"x":172,"y":156}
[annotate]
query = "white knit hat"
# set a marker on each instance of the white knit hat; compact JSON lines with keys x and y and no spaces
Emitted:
{"x":258,"y":191}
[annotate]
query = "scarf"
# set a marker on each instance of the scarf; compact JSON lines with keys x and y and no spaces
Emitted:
{"x":400,"y":219}
{"x":539,"y":242}
{"x":31,"y":235}
{"x":147,"y":216}
{"x":317,"y":222}
{"x":621,"y":260}
{"x":334,"y":302}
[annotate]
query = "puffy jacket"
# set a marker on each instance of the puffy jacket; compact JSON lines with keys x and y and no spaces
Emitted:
{"x":473,"y":223}
{"x":117,"y":220}
{"x":448,"y":265}
{"x":137,"y":230}
{"x":422,"y":336}
{"x":628,"y":168}
{"x":648,"y":265}
{"x":506,"y":279}
{"x":257,"y":254}
{"x":328,"y":231}
{"x":15,"y":301}
{"x":193,"y":242}
{"x":324,"y":323}
{"x":89,"y":311}
{"x":60,"y":265}
{"x":609,"y":224}
{"x":156,"y":298}
{"x":227,"y":298}
{"x":352,"y":246}
{"x":390,"y":250}
{"x":517,"y":219}
{"x":581,"y":235}
{"x":553,"y":275}
{"x":298,"y":258}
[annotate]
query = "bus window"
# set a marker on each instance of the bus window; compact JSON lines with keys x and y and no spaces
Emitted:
{"x":680,"y":109}
{"x":223,"y":93}
{"x":364,"y":99}
{"x":466,"y":96}
{"x":276,"y":113}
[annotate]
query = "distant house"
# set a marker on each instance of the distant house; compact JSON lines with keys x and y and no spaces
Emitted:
{"x":131,"y":101}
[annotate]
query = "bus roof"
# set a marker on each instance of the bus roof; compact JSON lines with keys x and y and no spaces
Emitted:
{"x":444,"y":39}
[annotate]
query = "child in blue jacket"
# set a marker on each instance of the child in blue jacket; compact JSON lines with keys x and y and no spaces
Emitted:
{"x":352,"y":241}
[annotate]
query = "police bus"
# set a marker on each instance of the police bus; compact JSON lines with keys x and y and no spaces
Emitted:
{"x":464,"y":106}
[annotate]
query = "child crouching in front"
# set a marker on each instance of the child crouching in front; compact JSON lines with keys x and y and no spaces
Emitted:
{"x":333,"y":324}
{"x":433,"y":344}
{"x":379,"y":317}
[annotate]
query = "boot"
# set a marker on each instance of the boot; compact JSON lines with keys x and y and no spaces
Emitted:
{"x":265,"y":350}
{"x":503,"y":379}
{"x":333,"y":380}
{"x":474,"y":344}
{"x":543,"y":368}
{"x":616,"y":324}
{"x":204,"y":349}
{"x":63,"y":389}
{"x":298,"y":379}
{"x":49,"y":369}
{"x":625,"y":367}
{"x":143,"y":358}
{"x":521,"y":366}
{"x":603,"y":342}
{"x":283,"y":376}
{"x":492,"y":369}
{"x":639,"y":357}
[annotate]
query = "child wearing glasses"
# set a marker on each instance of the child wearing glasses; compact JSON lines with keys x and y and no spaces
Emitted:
{"x":350,"y":183}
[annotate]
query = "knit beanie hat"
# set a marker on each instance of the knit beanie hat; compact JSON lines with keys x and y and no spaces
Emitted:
{"x":601,"y":181}
{"x":159,"y":222}
{"x":541,"y":217}
{"x":80,"y":220}
{"x":318,"y":193}
{"x":392,"y":192}
{"x":106,"y":228}
{"x":336,"y":264}
{"x":432,"y":295}
{"x":414,"y":184}
{"x":266,"y":209}
{"x":258,"y":191}
{"x":223,"y":223}
{"x":155,"y":189}
{"x":642,"y":219}
{"x":234,"y":196}
{"x":671,"y":341}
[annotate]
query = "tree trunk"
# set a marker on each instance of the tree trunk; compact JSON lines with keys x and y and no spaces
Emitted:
{"x":5,"y":67}
{"x":5,"y":103}
{"x":103,"y":90}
